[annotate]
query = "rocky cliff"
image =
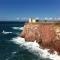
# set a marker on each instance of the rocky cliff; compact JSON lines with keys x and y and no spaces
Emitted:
{"x":46,"y":34}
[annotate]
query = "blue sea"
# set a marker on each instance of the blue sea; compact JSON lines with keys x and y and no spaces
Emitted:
{"x":13,"y":47}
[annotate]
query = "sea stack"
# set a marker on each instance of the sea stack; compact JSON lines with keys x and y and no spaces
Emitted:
{"x":46,"y":34}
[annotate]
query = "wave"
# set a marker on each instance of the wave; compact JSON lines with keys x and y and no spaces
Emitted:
{"x":35,"y":48}
{"x":5,"y":32}
{"x":17,"y":28}
{"x":21,"y":28}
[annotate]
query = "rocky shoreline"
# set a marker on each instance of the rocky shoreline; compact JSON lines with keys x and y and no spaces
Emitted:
{"x":47,"y":35}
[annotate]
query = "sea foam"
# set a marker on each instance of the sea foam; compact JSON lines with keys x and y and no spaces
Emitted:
{"x":35,"y":48}
{"x":5,"y":32}
{"x":17,"y":28}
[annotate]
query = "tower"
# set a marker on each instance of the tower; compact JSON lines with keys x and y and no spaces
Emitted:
{"x":30,"y":20}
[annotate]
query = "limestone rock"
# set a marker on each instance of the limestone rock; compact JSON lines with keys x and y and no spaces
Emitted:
{"x":47,"y":35}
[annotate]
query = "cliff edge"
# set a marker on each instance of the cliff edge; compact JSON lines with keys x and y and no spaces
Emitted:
{"x":47,"y":35}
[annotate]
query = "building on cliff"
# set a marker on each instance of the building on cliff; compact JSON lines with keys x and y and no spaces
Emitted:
{"x":32,"y":20}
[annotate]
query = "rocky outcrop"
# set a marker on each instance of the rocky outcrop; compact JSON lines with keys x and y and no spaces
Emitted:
{"x":46,"y":34}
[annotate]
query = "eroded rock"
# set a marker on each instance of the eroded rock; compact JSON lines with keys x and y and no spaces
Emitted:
{"x":47,"y":35}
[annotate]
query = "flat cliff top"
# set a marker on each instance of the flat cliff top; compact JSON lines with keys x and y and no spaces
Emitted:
{"x":46,"y":23}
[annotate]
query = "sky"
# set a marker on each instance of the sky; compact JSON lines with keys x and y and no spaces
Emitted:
{"x":14,"y":9}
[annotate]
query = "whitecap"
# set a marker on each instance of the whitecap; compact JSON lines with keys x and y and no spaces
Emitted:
{"x":15,"y":27}
{"x":21,"y":28}
{"x":36,"y":49}
{"x":5,"y":32}
{"x":18,"y":28}
{"x":14,"y":52}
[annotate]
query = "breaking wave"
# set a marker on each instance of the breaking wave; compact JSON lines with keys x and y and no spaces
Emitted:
{"x":17,"y":28}
{"x":35,"y":48}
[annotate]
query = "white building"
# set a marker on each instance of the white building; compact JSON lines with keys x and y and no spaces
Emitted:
{"x":32,"y":20}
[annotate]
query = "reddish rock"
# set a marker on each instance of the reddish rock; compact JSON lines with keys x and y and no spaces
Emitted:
{"x":44,"y":34}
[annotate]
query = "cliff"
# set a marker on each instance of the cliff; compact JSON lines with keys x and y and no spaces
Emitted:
{"x":46,"y":34}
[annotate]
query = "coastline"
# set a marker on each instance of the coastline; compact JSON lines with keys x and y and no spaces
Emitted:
{"x":47,"y":34}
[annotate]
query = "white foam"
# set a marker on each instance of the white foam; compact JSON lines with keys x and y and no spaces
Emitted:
{"x":35,"y":48}
{"x":17,"y":28}
{"x":5,"y":32}
{"x":14,"y":52}
{"x":21,"y":28}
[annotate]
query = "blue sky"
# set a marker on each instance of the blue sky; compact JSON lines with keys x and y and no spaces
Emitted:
{"x":12,"y":9}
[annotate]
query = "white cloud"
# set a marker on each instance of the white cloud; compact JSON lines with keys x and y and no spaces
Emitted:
{"x":22,"y":18}
{"x":17,"y":18}
{"x":46,"y":18}
{"x":58,"y":18}
{"x":37,"y":18}
{"x":50,"y":18}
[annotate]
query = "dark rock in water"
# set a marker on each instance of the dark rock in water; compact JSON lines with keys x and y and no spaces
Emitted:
{"x":46,"y":34}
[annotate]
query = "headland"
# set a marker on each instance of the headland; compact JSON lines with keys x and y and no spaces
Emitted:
{"x":46,"y":34}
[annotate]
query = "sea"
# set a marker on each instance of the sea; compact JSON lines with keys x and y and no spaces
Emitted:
{"x":14,"y":47}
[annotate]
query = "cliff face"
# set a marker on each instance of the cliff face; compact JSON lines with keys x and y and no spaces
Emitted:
{"x":47,"y":35}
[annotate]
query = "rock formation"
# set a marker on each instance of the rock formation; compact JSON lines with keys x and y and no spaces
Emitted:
{"x":46,"y":34}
